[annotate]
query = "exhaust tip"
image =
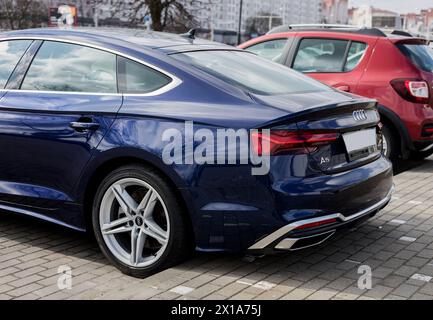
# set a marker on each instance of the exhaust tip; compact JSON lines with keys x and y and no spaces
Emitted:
{"x":293,"y":244}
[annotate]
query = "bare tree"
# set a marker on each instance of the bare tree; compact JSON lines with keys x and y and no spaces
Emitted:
{"x":21,"y":14}
{"x":259,"y":24}
{"x":168,"y":15}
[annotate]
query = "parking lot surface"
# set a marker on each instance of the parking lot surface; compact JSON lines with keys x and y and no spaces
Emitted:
{"x":396,"y":245}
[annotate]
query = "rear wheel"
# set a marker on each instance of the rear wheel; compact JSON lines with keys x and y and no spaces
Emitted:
{"x":390,"y":142}
{"x":138,"y":222}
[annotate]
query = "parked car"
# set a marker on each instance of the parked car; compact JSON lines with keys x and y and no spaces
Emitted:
{"x":395,"y":68}
{"x":83,"y":115}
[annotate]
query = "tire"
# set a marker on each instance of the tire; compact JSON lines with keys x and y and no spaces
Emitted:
{"x":144,"y":207}
{"x":391,"y":144}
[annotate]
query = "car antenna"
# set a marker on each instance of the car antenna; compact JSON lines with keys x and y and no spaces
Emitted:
{"x":190,"y":34}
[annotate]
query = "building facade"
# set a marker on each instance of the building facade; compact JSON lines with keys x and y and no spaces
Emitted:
{"x":419,"y":23}
{"x":335,"y":11}
{"x":371,"y":17}
{"x":224,"y":14}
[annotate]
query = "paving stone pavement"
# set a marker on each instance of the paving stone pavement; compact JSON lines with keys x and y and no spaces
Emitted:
{"x":397,"y":245}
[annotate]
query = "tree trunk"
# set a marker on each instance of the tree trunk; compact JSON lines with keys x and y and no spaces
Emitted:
{"x":155,"y":10}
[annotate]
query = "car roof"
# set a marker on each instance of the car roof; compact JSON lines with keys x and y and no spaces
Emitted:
{"x":163,"y":41}
{"x":339,"y":33}
{"x":393,"y":37}
{"x":391,"y":34}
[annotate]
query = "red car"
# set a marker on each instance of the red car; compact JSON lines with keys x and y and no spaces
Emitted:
{"x":395,"y":69}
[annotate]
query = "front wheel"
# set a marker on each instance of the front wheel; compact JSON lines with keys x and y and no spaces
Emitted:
{"x":138,"y":222}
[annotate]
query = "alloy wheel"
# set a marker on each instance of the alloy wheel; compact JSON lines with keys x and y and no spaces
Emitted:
{"x":134,"y":222}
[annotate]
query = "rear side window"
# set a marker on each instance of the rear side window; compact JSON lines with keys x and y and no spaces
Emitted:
{"x":135,"y":77}
{"x":420,"y":55}
{"x":356,"y":53}
{"x":71,"y":68}
{"x":10,"y":54}
{"x":328,"y":55}
{"x":272,"y":49}
{"x":250,"y":72}
{"x":320,"y":55}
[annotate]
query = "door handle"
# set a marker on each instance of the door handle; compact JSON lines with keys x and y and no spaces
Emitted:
{"x":84,"y":124}
{"x":343,"y":87}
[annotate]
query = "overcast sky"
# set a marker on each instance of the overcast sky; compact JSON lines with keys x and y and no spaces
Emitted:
{"x":401,"y":6}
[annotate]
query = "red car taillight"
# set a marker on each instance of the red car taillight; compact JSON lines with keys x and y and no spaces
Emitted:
{"x":412,"y":90}
{"x":283,"y":142}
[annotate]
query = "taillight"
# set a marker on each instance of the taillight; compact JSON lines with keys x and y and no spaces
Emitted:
{"x":284,"y":142}
{"x":412,"y":90}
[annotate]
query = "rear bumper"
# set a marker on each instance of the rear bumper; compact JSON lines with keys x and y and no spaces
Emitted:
{"x":411,"y":120}
{"x":423,"y":145}
{"x":418,"y":120}
{"x":250,"y":208}
{"x":286,"y":238}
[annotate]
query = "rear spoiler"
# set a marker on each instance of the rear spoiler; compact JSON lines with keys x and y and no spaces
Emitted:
{"x":322,"y":111}
{"x":402,"y":33}
{"x":412,"y":40}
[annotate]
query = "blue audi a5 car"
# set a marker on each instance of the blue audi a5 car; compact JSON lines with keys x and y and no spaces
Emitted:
{"x":100,"y":130}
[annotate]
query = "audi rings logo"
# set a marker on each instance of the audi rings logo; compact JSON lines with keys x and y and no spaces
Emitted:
{"x":359,"y":115}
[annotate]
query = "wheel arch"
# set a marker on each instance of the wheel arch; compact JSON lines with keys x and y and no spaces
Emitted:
{"x":101,"y":166}
{"x":389,"y":117}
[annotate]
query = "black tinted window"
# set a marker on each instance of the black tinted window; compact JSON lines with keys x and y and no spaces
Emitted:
{"x":420,"y":55}
{"x":68,"y":67}
{"x":320,"y":55}
{"x":138,"y":78}
{"x":10,"y":53}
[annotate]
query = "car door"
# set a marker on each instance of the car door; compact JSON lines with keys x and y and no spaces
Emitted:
{"x":51,"y":121}
{"x":337,"y":61}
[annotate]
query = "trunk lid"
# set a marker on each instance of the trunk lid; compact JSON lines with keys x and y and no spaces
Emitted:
{"x":358,"y":142}
{"x":355,"y":119}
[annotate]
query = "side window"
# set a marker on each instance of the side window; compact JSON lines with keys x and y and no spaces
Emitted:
{"x":135,"y":77}
{"x":320,"y":55}
{"x":69,"y":67}
{"x":355,"y":55}
{"x":272,"y":49}
{"x":10,"y":54}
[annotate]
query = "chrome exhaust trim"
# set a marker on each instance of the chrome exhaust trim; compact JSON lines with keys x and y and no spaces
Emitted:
{"x":288,"y":243}
{"x":267,"y":240}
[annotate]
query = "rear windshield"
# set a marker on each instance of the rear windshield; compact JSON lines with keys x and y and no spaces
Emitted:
{"x":420,"y":55}
{"x":250,"y":72}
